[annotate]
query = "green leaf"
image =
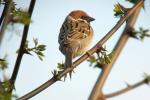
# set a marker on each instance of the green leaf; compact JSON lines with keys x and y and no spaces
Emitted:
{"x":140,"y":34}
{"x":55,"y":74}
{"x":3,"y":64}
{"x":134,"y":33}
{"x":147,"y":77}
{"x":6,"y":96}
{"x":24,"y":18}
{"x":37,"y":49}
{"x":5,"y":88}
{"x":58,"y":78}
{"x":111,"y":54}
{"x":107,"y":60}
{"x":2,"y":59}
{"x":40,"y":53}
{"x":40,"y":58}
{"x":35,"y":40}
{"x":91,"y":59}
{"x":101,"y":60}
{"x":143,"y":33}
{"x":41,"y":47}
{"x":104,"y":58}
{"x":98,"y":65}
{"x":118,"y":10}
{"x":19,"y":16}
{"x":60,"y":66}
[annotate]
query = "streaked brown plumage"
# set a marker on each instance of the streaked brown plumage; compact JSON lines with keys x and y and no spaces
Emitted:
{"x":75,"y":35}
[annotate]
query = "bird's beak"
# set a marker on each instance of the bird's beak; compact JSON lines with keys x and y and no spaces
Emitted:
{"x":90,"y":19}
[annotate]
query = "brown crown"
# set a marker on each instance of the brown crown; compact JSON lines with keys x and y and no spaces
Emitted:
{"x":77,"y":14}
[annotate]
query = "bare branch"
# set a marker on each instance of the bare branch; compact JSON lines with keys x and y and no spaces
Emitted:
{"x":6,"y":13}
{"x":127,"y":89}
{"x":84,"y":57}
{"x":101,"y":97}
{"x":3,"y":14}
{"x":118,"y":48}
{"x":21,"y":50}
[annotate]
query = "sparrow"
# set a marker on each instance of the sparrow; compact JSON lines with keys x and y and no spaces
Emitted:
{"x":75,"y":36}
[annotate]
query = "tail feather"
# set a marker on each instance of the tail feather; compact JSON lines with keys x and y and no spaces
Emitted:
{"x":68,"y":62}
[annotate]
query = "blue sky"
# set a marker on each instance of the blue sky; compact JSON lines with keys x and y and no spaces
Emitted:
{"x":47,"y":19}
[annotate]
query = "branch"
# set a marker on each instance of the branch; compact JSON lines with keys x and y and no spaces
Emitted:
{"x":3,"y":13}
{"x":6,"y":13}
{"x":21,"y":50}
{"x":117,"y":50}
{"x":127,"y":89}
{"x":82,"y":58}
{"x":101,"y":97}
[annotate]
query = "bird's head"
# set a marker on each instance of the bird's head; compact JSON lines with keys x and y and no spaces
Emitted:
{"x":78,"y":14}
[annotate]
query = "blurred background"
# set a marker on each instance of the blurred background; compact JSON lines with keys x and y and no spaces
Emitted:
{"x":47,"y":19}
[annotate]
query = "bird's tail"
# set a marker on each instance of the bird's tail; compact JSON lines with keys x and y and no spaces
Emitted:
{"x":68,"y":62}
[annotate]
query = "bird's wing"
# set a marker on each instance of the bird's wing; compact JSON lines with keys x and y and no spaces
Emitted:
{"x":73,"y":30}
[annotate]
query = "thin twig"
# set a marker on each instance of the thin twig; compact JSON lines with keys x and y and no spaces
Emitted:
{"x":3,"y":13}
{"x":117,"y":50}
{"x":21,"y":50}
{"x":82,"y":58}
{"x":127,"y":89}
{"x":6,"y":19}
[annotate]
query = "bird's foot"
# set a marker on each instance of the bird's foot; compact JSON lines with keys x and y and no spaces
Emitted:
{"x":70,"y":73}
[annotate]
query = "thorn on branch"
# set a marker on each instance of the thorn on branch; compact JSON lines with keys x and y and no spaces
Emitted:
{"x":26,"y":52}
{"x":127,"y":84}
{"x":124,"y":9}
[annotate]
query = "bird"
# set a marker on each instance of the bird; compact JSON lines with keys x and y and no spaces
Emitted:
{"x":75,"y":36}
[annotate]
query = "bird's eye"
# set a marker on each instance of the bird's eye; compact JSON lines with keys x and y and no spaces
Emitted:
{"x":87,"y":18}
{"x":82,"y":17}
